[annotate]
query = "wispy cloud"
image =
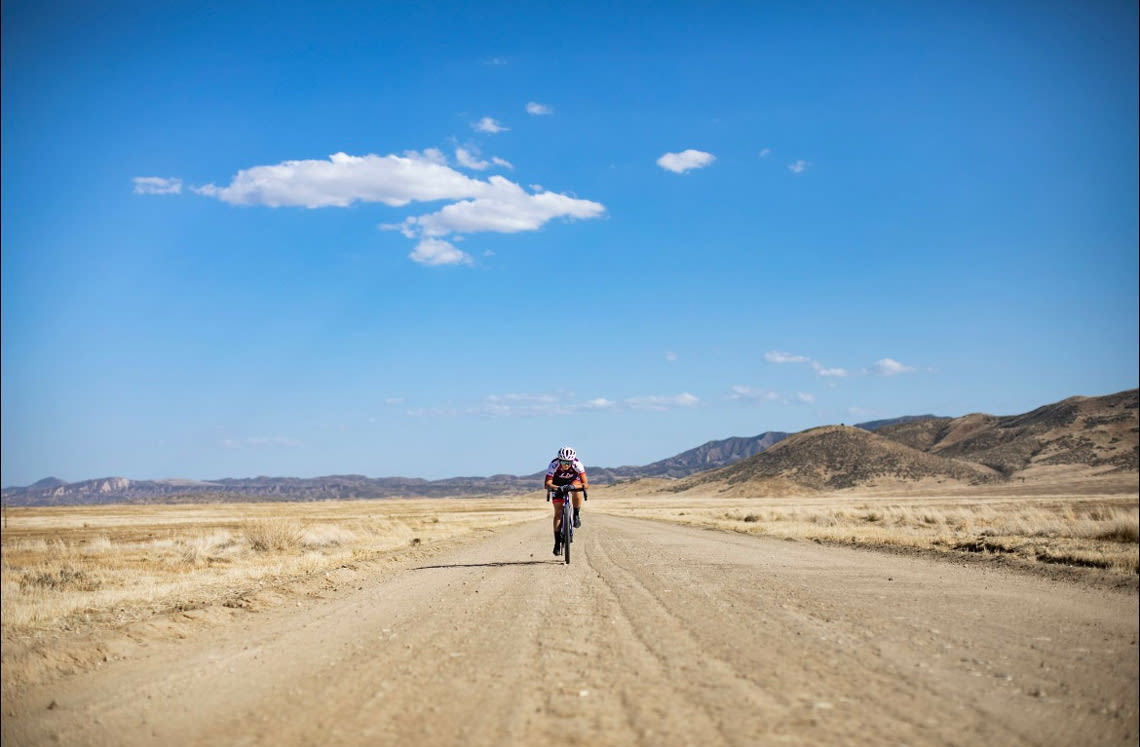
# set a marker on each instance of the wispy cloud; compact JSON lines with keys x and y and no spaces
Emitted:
{"x":749,"y":394}
{"x":765,"y":152}
{"x":489,"y":125}
{"x":890,"y":367}
{"x":822,"y":370}
{"x":157,"y":185}
{"x":777,"y":356}
{"x":559,"y":404}
{"x":538,"y":110}
{"x":671,"y":357}
{"x":686,"y":160}
{"x":882,"y":367}
{"x":798,"y":167}
{"x":470,"y":160}
{"x":658,"y":403}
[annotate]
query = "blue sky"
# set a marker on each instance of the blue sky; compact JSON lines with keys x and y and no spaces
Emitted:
{"x":444,"y":239}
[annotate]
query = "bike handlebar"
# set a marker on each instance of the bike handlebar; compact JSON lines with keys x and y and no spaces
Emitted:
{"x":566,"y":489}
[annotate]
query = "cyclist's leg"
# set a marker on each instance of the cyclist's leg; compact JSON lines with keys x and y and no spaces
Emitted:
{"x":557,"y":525}
{"x":577,"y":501}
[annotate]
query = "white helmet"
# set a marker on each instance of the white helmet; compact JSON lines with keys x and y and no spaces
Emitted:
{"x":566,"y":453}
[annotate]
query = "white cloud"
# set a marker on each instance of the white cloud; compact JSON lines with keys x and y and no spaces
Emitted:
{"x":537,"y":109}
{"x":487,"y":124}
{"x":599,"y":403}
{"x":765,"y":152}
{"x":805,"y":398}
{"x":437,"y":252}
{"x":157,"y":185}
{"x":343,"y":179}
{"x":798,"y":167}
{"x":504,"y":207}
{"x":495,"y":204}
{"x":502,"y":162}
{"x":821,"y":370}
{"x":890,"y":367}
{"x":671,"y":357}
{"x":681,"y":162}
{"x":776,"y":356}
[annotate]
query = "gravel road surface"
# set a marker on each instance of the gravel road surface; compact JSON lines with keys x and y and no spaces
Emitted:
{"x":655,"y":634}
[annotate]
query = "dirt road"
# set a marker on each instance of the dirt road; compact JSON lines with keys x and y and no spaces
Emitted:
{"x":655,"y":635}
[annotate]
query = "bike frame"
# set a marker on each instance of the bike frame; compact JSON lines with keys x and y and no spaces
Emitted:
{"x":567,"y":522}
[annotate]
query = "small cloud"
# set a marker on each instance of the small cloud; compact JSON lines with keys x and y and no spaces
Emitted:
{"x":890,"y":367}
{"x":776,"y":356}
{"x":537,"y":109}
{"x":822,"y":370}
{"x":487,"y":124}
{"x":805,"y":398}
{"x":798,"y":167}
{"x":670,"y":357}
{"x":495,"y":61}
{"x":686,"y":160}
{"x":157,"y":185}
{"x":765,"y":152}
{"x":435,"y":252}
{"x":502,"y":162}
{"x":600,"y":403}
{"x":394,"y":400}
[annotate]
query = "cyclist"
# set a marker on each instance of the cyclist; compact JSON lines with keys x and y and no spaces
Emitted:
{"x":566,"y":469}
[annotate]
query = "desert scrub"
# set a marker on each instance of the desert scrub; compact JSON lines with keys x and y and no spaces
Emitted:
{"x":272,"y":535}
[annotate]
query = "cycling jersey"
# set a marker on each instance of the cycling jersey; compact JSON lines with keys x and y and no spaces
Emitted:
{"x":569,"y":474}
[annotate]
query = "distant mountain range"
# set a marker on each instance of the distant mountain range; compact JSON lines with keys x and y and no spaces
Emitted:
{"x":1097,"y":433}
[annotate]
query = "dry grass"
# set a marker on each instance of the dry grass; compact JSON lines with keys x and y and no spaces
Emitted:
{"x":1087,"y":531}
{"x":70,"y":567}
{"x":75,"y":567}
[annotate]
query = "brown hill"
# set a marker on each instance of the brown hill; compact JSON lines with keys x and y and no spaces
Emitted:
{"x":836,"y":457}
{"x":1095,"y":432}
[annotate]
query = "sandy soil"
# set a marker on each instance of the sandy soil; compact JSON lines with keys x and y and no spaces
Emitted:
{"x":656,"y":634}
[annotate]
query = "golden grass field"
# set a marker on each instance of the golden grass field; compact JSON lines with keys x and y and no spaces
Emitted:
{"x":73,"y":568}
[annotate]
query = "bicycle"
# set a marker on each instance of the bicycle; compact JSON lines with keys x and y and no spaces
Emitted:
{"x":564,"y":492}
